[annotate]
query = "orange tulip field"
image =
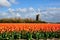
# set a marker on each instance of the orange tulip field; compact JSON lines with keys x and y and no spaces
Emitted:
{"x":7,"y":27}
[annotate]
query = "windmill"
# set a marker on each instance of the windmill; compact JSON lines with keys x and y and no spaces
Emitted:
{"x":37,"y":17}
{"x":37,"y":14}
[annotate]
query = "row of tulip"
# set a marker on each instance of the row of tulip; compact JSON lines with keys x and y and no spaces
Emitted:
{"x":31,"y":28}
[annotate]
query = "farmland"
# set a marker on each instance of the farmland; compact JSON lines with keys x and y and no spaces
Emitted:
{"x":29,"y":31}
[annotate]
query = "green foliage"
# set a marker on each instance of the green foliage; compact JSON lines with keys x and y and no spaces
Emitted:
{"x":41,"y":35}
{"x":23,"y":34}
{"x":37,"y":35}
{"x":55,"y":35}
{"x":28,"y":35}
{"x":48,"y":34}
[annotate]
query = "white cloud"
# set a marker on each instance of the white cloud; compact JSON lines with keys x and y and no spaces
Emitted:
{"x":3,"y":14}
{"x":13,"y":1}
{"x":51,"y":14}
{"x":18,"y":15}
{"x":23,"y":10}
{"x":11,"y":11}
{"x":5,"y":3}
{"x":31,"y":9}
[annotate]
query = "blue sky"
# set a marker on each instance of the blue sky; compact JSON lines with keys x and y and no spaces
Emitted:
{"x":48,"y":9}
{"x":35,"y":3}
